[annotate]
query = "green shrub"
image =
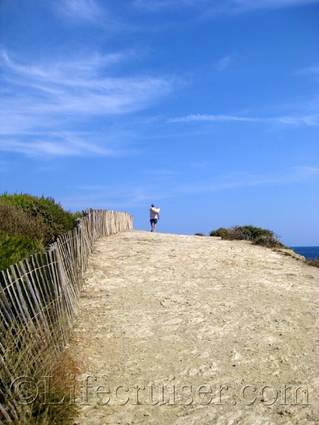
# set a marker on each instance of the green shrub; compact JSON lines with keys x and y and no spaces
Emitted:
{"x":28,"y":224}
{"x":55,"y":219}
{"x":221,"y":232}
{"x":257,"y":235}
{"x":15,"y":221}
{"x":15,"y":248}
{"x":268,"y":241}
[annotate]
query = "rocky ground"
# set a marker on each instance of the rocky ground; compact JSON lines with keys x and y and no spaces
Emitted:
{"x":190,"y":330}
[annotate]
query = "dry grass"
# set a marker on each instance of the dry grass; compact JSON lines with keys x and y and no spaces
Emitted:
{"x":56,"y":405}
{"x":40,"y":381}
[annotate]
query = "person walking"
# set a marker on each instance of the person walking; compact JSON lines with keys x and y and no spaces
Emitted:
{"x":154,"y":217}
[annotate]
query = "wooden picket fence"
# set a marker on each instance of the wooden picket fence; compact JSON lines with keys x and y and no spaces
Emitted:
{"x":38,"y":301}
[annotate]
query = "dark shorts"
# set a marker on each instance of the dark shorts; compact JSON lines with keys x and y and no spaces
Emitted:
{"x":153,"y":220}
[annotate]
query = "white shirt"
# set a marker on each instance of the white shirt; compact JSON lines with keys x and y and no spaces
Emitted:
{"x":154,"y":213}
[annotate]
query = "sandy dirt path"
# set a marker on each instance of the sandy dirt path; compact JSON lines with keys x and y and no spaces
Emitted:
{"x":192,"y":330}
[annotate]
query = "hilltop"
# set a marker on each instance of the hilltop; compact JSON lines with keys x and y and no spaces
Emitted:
{"x":227,"y":324}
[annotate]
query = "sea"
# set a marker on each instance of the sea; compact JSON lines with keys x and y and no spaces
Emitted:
{"x":309,"y":252}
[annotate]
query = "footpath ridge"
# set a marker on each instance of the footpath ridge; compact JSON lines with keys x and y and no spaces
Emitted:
{"x":190,"y":330}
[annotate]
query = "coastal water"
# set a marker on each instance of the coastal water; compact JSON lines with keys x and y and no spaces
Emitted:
{"x":310,"y":252}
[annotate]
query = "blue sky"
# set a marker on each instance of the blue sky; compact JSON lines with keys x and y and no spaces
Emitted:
{"x":209,"y":109}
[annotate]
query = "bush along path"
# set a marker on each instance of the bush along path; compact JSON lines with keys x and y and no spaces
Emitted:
{"x":28,"y":224}
{"x":191,"y":330}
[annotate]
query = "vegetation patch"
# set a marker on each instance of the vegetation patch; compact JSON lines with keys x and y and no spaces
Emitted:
{"x":57,"y":403}
{"x":14,"y":248}
{"x":313,"y":262}
{"x":257,"y":235}
{"x":39,"y":385}
{"x":28,"y":224}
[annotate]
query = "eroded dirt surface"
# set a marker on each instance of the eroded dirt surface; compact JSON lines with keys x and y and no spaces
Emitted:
{"x":217,"y":332}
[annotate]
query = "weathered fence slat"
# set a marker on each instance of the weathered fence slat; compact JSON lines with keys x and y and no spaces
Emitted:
{"x":39,"y":298}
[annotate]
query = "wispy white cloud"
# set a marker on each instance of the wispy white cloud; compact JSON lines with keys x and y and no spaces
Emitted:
{"x":223,"y":63}
{"x":97,"y":13}
{"x":88,"y":65}
{"x":54,"y":146}
{"x":79,"y":87}
{"x":135,"y":195}
{"x":158,"y":5}
{"x":310,"y":70}
{"x":221,"y":6}
{"x":311,"y":120}
{"x":211,"y":118}
{"x":79,"y":10}
{"x":54,"y":95}
{"x":119,"y":196}
{"x":248,"y":5}
{"x":307,"y":170}
{"x":247,"y":180}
